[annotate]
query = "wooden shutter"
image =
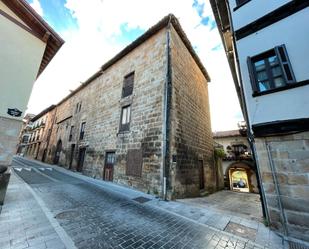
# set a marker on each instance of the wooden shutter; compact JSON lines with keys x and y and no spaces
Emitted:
{"x":134,"y":162}
{"x":128,"y":85}
{"x":285,"y":64}
{"x":252,"y":75}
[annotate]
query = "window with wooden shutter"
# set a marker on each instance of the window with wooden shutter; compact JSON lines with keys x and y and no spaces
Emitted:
{"x":134,"y":162}
{"x":125,"y":118}
{"x":82,"y":131}
{"x":128,"y":83}
{"x":270,"y":70}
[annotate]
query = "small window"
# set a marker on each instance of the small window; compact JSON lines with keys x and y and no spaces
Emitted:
{"x":125,"y":118}
{"x":128,"y":83}
{"x":80,"y":106}
{"x":76,"y":109}
{"x":71,"y":133}
{"x":82,"y":131}
{"x":270,"y":70}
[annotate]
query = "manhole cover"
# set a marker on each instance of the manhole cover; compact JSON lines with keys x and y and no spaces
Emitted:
{"x":241,"y":230}
{"x":67,"y":215}
{"x":141,"y":199}
{"x":294,"y":245}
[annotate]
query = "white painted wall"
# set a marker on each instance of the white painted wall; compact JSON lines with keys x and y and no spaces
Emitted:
{"x":20,"y":57}
{"x":292,"y":31}
{"x":253,"y":10}
{"x":21,"y":54}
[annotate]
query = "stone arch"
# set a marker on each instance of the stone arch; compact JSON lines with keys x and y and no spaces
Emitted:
{"x":248,"y":169}
{"x":58,"y":151}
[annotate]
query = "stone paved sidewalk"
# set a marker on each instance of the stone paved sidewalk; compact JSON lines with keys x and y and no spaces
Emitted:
{"x":216,"y":219}
{"x":24,"y":224}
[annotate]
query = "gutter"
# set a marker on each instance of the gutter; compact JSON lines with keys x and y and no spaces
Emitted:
{"x":166,"y":117}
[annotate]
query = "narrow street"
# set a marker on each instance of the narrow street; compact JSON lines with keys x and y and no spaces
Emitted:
{"x":96,"y":217}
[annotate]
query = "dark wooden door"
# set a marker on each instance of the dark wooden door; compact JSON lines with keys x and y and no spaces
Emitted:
{"x":81,"y":158}
{"x":72,"y":155}
{"x":109,"y":166}
{"x":58,"y":151}
{"x":44,"y":155}
{"x":201,"y":174}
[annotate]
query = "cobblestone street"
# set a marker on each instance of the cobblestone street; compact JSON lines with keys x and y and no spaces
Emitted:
{"x":93,"y":216}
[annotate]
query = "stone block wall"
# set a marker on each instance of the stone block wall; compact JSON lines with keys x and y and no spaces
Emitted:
{"x":9,"y":131}
{"x":290,"y":158}
{"x":101,"y":105}
{"x":191,"y":136}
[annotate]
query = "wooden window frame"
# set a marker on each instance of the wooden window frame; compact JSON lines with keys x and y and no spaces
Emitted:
{"x":283,"y":61}
{"x":125,"y":126}
{"x":240,"y":3}
{"x":82,"y":131}
{"x":128,"y":85}
{"x":71,"y":133}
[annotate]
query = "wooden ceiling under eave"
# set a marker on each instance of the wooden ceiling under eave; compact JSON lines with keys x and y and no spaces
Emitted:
{"x":39,"y":28}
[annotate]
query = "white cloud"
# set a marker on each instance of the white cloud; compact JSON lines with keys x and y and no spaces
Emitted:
{"x":37,"y":7}
{"x":99,"y":21}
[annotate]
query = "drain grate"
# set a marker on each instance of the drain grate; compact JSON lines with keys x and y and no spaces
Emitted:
{"x":294,"y":245}
{"x":141,"y":199}
{"x":67,"y":215}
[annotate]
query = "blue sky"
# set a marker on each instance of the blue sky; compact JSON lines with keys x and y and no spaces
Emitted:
{"x":94,"y":31}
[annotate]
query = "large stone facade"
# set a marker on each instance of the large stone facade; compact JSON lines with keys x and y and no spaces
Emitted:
{"x":284,"y":168}
{"x":179,"y":120}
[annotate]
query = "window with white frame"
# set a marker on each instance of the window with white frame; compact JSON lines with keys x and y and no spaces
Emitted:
{"x":125,"y":118}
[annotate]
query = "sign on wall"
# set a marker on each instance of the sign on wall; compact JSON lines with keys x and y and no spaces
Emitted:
{"x":14,"y":112}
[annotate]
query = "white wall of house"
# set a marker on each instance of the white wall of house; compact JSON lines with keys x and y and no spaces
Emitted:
{"x":21,"y":54}
{"x":20,"y":58}
{"x":253,"y":10}
{"x":294,"y":102}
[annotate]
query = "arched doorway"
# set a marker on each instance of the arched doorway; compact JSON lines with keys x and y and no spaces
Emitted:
{"x":241,"y":177}
{"x":57,"y":152}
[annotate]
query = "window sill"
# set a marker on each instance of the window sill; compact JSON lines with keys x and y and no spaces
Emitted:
{"x":279,"y":89}
{"x":240,"y":5}
{"x":123,"y":133}
{"x":126,"y":100}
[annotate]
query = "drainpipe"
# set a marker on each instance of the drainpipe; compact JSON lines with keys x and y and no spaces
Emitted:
{"x":166,"y":118}
{"x":250,"y":136}
{"x":275,"y":179}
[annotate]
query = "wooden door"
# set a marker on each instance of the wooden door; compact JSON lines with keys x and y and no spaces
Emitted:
{"x":201,"y":174}
{"x":109,"y":166}
{"x":72,"y":155}
{"x":57,"y":152}
{"x":81,"y":158}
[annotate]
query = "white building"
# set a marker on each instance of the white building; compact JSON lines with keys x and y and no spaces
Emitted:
{"x":267,"y":46}
{"x":27,"y":45}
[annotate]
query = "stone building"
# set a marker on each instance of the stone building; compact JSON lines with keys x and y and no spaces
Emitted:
{"x":25,"y":133}
{"x":237,"y":163}
{"x":142,"y":120}
{"x":39,"y":131}
{"x":27,"y":45}
{"x":266,"y":43}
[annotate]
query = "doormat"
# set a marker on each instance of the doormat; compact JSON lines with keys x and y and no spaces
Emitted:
{"x":241,"y":230}
{"x":141,"y":199}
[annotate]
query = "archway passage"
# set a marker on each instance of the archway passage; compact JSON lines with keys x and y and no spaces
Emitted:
{"x":57,"y":152}
{"x":239,"y":180}
{"x":241,"y":177}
